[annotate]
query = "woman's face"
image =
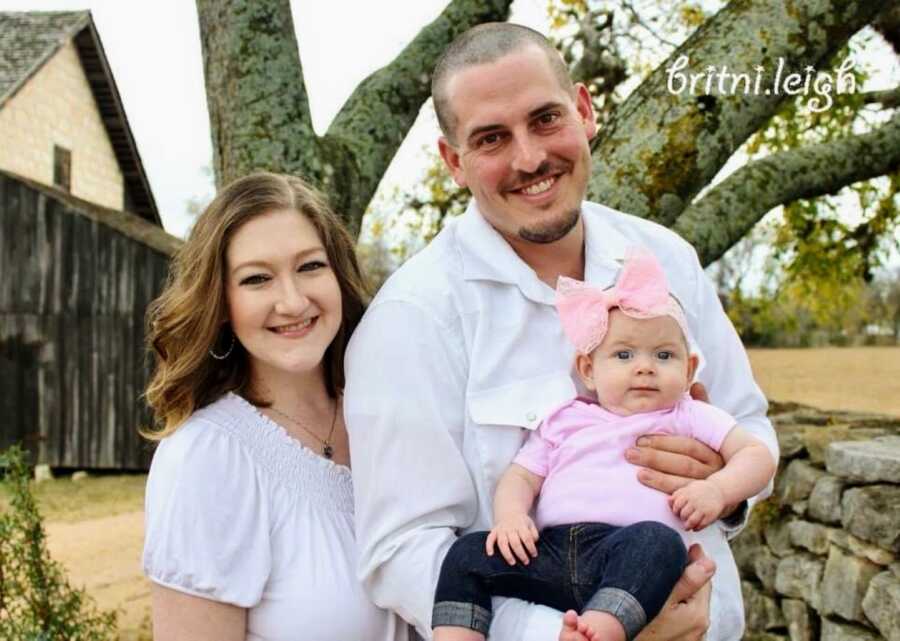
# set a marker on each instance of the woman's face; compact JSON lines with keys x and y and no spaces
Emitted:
{"x":284,"y":301}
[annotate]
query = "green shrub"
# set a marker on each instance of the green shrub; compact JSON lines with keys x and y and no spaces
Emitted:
{"x":36,"y":601}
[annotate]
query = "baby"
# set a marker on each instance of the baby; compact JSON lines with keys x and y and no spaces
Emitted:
{"x":608,"y":547}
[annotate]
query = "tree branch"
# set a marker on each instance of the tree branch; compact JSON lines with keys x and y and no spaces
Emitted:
{"x":888,"y":25}
{"x":600,"y":62}
{"x":663,"y":146}
{"x":636,"y":18}
{"x":888,"y":98}
{"x":375,"y":119}
{"x":729,"y":210}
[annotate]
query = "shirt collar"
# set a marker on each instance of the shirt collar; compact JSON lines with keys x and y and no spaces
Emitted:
{"x":605,"y":246}
{"x":486,"y":255}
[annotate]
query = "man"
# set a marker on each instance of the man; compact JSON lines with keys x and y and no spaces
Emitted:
{"x":461,"y":353}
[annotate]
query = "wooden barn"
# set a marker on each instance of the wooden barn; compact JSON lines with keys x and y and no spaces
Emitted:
{"x":82,"y":249}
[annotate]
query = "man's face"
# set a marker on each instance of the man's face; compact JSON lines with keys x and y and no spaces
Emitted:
{"x":521,"y":145}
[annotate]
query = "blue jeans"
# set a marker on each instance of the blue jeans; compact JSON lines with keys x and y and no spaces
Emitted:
{"x":625,"y":571}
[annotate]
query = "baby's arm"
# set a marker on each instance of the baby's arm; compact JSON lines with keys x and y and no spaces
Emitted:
{"x":748,"y":468}
{"x":514,"y":532}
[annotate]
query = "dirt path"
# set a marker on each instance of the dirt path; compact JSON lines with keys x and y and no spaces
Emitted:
{"x":104,"y":556}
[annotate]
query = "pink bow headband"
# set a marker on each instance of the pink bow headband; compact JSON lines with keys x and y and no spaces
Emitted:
{"x":640,"y":292}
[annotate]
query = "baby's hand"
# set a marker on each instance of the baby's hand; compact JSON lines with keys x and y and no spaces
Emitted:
{"x":513,"y":534}
{"x":697,"y":504}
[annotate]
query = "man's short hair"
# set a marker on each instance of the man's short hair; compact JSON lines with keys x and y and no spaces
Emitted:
{"x":483,"y":44}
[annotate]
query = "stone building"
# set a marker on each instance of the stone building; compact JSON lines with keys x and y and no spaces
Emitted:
{"x":62,"y":123}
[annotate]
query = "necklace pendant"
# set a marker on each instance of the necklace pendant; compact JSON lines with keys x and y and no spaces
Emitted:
{"x":327,"y":451}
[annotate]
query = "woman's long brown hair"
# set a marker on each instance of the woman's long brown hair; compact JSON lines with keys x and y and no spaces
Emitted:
{"x":186,"y":320}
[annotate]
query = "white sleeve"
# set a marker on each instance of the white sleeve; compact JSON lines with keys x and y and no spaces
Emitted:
{"x":726,"y":373}
{"x":404,"y":404}
{"x":206,"y":518}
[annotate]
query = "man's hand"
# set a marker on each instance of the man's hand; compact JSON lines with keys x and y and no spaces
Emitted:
{"x":674,"y":461}
{"x":698,"y":392}
{"x":697,"y":504}
{"x":685,"y":615}
{"x":514,"y":536}
{"x":671,"y":462}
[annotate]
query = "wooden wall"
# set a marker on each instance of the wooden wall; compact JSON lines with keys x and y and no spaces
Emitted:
{"x":73,"y":294}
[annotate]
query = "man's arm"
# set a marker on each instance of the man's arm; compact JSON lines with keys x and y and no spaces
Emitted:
{"x":404,"y":404}
{"x":729,"y":380}
{"x":726,"y":374}
{"x":685,"y":614}
{"x":672,"y":462}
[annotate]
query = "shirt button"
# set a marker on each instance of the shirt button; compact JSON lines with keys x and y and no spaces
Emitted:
{"x":531,"y":416}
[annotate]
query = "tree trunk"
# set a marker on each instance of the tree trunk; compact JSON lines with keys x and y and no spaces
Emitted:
{"x":259,"y":111}
{"x":660,"y":149}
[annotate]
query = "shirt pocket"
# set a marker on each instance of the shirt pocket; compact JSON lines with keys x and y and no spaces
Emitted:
{"x":501,"y":416}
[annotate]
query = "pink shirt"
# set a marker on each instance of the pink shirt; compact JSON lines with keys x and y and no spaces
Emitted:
{"x":579,"y":449}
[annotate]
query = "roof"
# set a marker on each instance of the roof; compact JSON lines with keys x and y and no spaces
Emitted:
{"x":29,"y":39}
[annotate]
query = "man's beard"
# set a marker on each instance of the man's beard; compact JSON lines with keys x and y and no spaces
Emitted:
{"x":552,"y":231}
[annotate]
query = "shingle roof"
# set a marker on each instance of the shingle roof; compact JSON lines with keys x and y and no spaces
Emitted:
{"x":27,"y":40}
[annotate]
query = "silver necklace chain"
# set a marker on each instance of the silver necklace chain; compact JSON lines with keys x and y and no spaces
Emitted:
{"x":327,"y":448}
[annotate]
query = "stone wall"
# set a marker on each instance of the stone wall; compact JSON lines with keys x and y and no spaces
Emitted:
{"x":56,"y":107}
{"x":820,"y":559}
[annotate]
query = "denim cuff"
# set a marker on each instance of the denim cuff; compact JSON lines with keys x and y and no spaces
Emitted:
{"x":621,"y":605}
{"x":462,"y":615}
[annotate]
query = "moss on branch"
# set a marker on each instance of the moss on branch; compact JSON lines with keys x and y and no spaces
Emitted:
{"x":663,"y":146}
{"x":725,"y":214}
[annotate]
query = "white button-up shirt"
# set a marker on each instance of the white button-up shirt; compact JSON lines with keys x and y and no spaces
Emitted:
{"x":459,"y":355}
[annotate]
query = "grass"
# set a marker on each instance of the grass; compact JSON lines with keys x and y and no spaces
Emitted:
{"x":861,"y":379}
{"x":69,"y":501}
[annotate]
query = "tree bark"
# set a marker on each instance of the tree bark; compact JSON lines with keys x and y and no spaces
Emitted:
{"x":729,"y":210}
{"x":888,"y":25}
{"x":662,"y":148}
{"x":889,"y":98}
{"x":259,"y":111}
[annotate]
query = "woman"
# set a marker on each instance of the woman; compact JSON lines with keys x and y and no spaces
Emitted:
{"x":249,"y":508}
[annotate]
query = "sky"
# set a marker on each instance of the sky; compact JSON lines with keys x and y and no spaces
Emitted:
{"x":154,"y":52}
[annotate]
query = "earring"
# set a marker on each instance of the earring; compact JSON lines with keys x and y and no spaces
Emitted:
{"x":222,"y":357}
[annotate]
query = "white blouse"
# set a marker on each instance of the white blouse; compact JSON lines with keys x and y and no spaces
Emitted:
{"x":237,"y":511}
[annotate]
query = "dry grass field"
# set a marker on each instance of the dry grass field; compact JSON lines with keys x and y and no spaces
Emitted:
{"x":95,"y":526}
{"x":865,"y":379}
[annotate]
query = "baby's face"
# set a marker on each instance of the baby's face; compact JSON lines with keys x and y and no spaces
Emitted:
{"x":642,"y":365}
